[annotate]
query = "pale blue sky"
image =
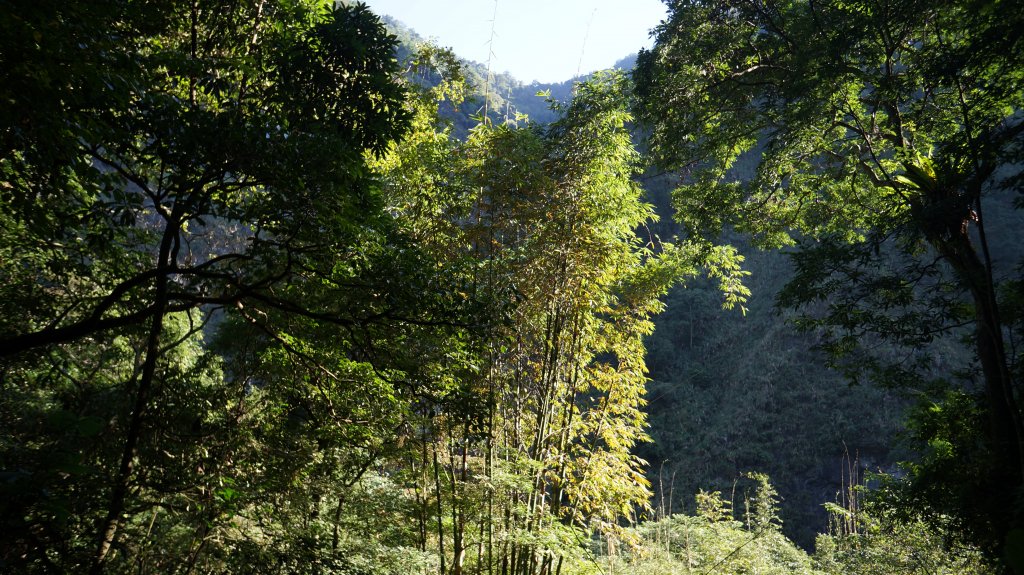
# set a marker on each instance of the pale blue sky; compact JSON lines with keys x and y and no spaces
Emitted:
{"x":534,"y":39}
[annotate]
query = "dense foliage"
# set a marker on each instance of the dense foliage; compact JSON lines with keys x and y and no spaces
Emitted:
{"x":251,"y":281}
{"x":886,"y":135}
{"x":193,"y":165}
{"x":271,"y":303}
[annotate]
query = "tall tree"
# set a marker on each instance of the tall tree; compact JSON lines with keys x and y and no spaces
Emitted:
{"x":161,"y":166}
{"x":883,"y":130}
{"x":533,"y":448}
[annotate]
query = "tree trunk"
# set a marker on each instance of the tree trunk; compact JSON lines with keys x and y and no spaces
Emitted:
{"x":122,"y":483}
{"x":440,"y":511}
{"x":1004,"y":429}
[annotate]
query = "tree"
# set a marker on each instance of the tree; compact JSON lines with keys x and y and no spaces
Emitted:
{"x":532,"y":449}
{"x":885,"y":131}
{"x":166,"y":169}
{"x":258,"y":126}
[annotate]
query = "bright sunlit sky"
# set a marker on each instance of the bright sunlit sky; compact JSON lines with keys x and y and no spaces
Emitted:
{"x":539,"y":40}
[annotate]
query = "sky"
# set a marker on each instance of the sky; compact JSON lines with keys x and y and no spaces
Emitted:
{"x":542,"y":40}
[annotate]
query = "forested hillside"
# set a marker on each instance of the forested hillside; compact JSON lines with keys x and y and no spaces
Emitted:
{"x":284,"y":289}
{"x":505,"y":97}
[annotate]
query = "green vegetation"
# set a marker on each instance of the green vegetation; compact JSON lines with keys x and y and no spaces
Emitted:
{"x":884,"y":134}
{"x":505,"y":97}
{"x":730,"y":393}
{"x":278,"y":294}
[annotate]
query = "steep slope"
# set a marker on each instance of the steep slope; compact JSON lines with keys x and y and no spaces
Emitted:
{"x":732,"y":393}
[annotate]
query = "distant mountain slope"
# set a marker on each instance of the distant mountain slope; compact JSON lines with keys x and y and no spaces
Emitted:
{"x":506,"y":96}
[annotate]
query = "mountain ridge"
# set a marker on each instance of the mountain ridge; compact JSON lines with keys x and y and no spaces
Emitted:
{"x":510,"y":97}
